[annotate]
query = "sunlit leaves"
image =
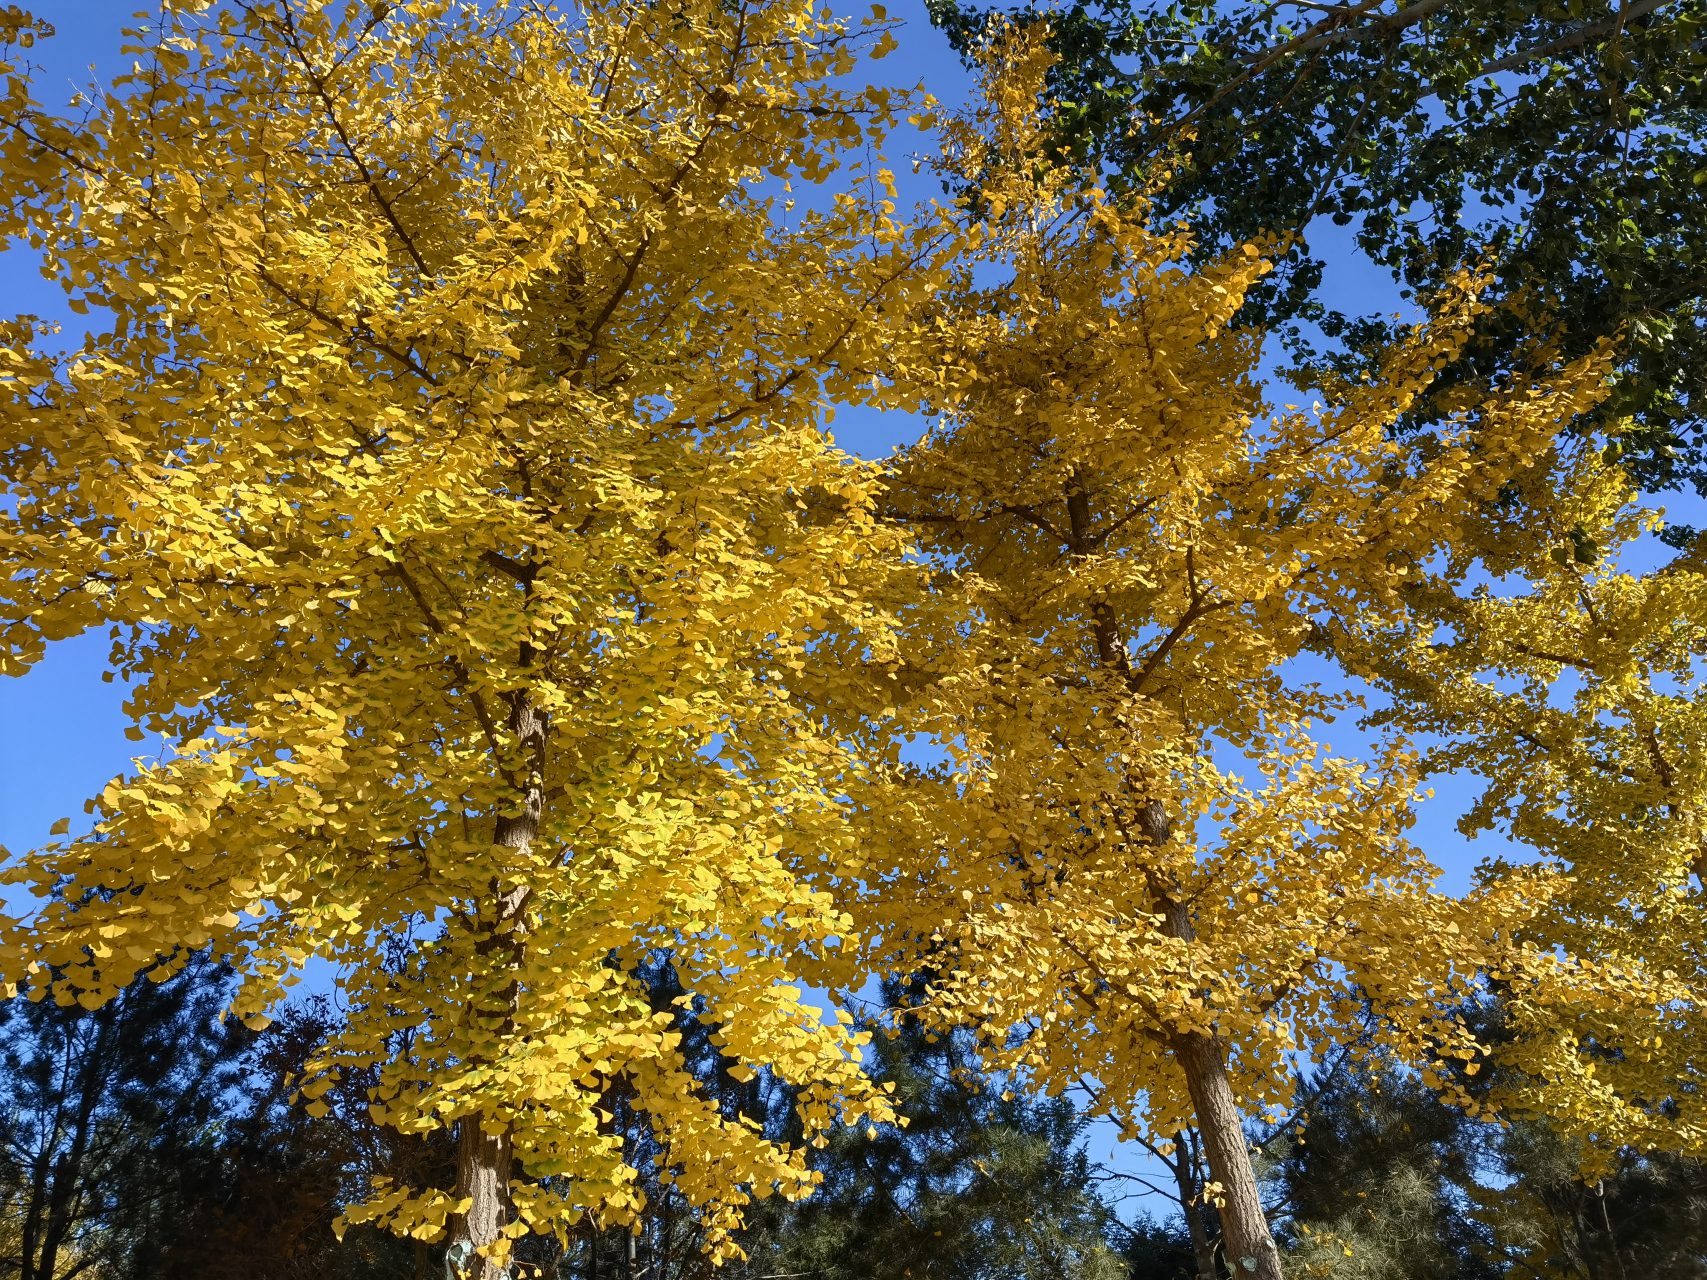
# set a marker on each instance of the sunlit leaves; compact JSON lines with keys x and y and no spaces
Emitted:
{"x":459,"y":381}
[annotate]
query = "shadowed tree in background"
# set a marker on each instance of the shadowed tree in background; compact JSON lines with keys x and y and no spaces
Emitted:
{"x":1645,"y":1214}
{"x":1384,"y":1181}
{"x":979,"y":1185}
{"x":1379,"y":1165}
{"x":284,"y":1176}
{"x":110,"y":1122}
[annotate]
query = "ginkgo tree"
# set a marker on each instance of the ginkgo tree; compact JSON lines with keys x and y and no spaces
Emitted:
{"x":1138,"y":869}
{"x":1573,"y":686}
{"x":452,"y":481}
{"x":450,"y":476}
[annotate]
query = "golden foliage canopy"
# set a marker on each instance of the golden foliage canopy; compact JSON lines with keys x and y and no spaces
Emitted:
{"x":1573,"y":686}
{"x":451,"y":480}
{"x":1138,"y":836}
{"x":453,"y":484}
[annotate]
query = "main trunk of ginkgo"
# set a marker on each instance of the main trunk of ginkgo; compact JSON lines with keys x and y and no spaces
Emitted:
{"x":483,"y":1179}
{"x":1246,"y":1241}
{"x":483,"y":1158}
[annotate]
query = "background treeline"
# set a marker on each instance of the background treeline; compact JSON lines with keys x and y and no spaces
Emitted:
{"x":149,"y":1138}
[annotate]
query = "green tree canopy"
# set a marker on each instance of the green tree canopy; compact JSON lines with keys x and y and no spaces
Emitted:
{"x":978,"y":1184}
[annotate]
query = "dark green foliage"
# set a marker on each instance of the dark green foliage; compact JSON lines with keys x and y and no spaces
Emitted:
{"x":283,"y":1175}
{"x":111,"y":1123}
{"x":1583,"y":170}
{"x":1646,"y":1217}
{"x":196,"y":1162}
{"x":1380,"y":1166}
{"x":978,"y":1186}
{"x":1157,"y":1251}
{"x":1416,"y":1190}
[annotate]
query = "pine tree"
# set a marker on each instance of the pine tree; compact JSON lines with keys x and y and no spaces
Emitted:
{"x":1635,"y":1214}
{"x":284,"y":1176}
{"x":979,"y":1183}
{"x":111,"y":1122}
{"x":1377,"y":1180}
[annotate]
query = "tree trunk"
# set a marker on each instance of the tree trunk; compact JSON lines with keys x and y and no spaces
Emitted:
{"x":36,"y":1207}
{"x":482,"y":1176}
{"x":1191,"y":1207}
{"x":67,"y":1180}
{"x":483,"y":1159}
{"x":1246,"y":1241}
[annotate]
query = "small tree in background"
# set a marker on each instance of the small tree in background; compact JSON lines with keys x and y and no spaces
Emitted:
{"x":111,"y":1122}
{"x":977,"y":1184}
{"x":285,"y":1176}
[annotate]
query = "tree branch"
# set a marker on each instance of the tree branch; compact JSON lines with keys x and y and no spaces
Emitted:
{"x":524,"y":574}
{"x":288,"y":27}
{"x":1570,"y":40}
{"x":1335,"y":30}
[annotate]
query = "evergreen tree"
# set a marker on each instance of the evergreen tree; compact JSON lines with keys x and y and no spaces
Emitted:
{"x":110,"y":1118}
{"x":284,"y":1176}
{"x":1160,"y":1251}
{"x":979,"y":1185}
{"x":1377,"y":1180}
{"x":1383,"y":1181}
{"x":1640,"y":1215}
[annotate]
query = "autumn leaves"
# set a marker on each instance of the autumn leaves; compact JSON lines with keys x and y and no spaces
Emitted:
{"x":514,"y":621}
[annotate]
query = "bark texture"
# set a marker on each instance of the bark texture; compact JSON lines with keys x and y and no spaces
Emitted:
{"x":483,"y":1159}
{"x":1246,"y":1241}
{"x":483,"y":1177}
